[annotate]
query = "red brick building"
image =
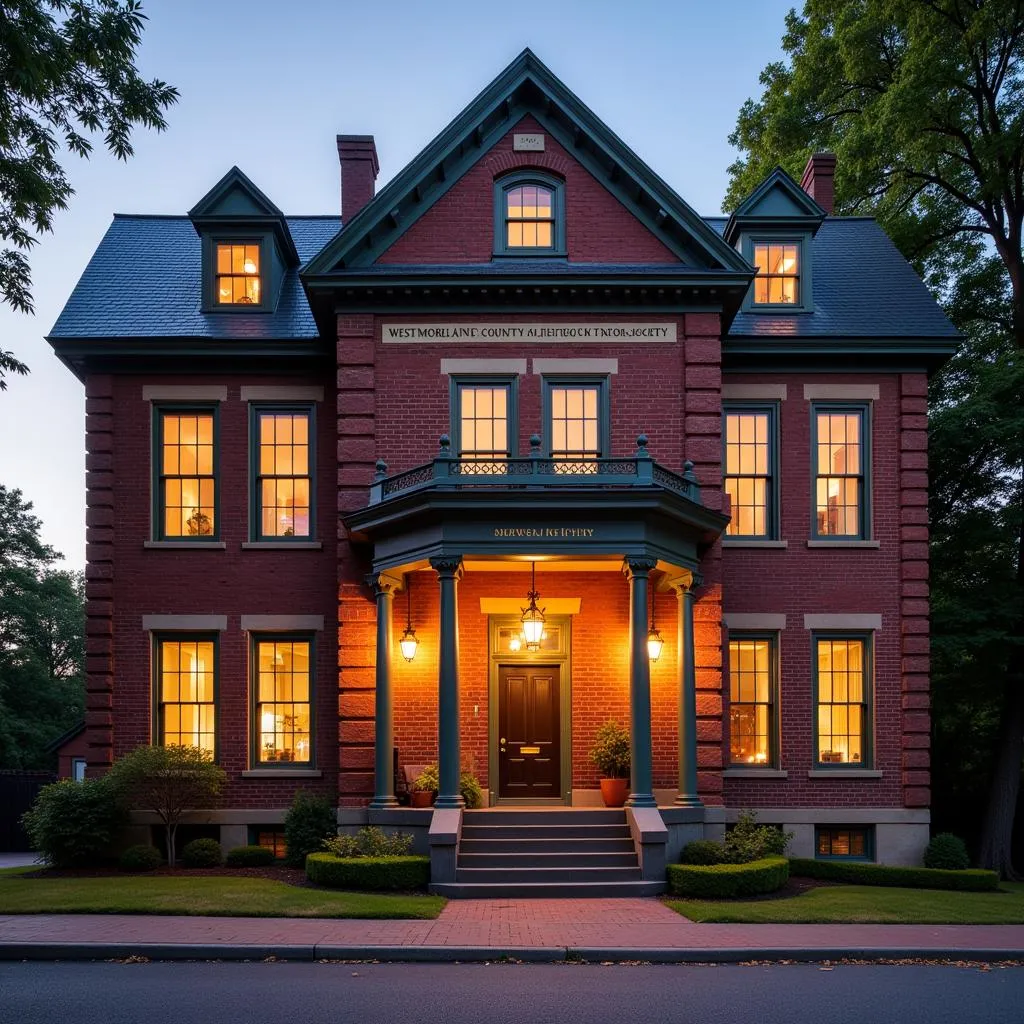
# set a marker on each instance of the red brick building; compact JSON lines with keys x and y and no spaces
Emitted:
{"x":524,"y":375}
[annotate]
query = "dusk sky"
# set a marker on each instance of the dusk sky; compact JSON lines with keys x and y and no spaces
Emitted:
{"x":267,"y":86}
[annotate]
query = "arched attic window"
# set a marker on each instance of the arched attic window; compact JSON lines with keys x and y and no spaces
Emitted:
{"x":529,"y":215}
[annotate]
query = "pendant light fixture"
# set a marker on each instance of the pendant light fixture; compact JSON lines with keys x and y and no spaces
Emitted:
{"x":654,"y":641}
{"x":408,"y":642}
{"x":533,"y":617}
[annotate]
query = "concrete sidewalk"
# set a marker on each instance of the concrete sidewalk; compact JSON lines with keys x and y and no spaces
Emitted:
{"x":535,"y":930}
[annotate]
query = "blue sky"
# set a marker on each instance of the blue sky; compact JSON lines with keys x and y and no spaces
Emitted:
{"x":267,"y":86}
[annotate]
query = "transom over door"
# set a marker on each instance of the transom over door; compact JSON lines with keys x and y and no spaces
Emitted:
{"x":529,"y":732}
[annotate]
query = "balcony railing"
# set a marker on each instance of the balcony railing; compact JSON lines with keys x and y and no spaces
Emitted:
{"x":448,"y":471}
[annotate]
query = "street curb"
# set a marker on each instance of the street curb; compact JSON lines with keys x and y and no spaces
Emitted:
{"x":481,"y":954}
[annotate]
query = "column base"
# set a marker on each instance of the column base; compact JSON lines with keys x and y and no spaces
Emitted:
{"x":450,"y":803}
{"x":687,"y":800}
{"x":383,"y":803}
{"x":641,"y":800}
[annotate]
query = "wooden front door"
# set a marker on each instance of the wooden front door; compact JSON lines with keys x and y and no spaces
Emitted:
{"x":529,"y":732}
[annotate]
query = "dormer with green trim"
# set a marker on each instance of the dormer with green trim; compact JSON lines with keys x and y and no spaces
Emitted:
{"x":773,"y":228}
{"x":246,"y":247}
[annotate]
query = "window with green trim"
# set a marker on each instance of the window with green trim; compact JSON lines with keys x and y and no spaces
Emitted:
{"x":576,"y":422}
{"x":269,"y":836}
{"x":753,"y":685}
{"x":778,"y":272}
{"x":186,"y":691}
{"x":283,"y":453}
{"x":238,"y":279}
{"x":751,"y":444}
{"x":844,"y":842}
{"x":843,"y":684}
{"x":283,"y":700}
{"x":483,"y":421}
{"x":840,"y":450}
{"x":529,"y":216}
{"x":185,"y":489}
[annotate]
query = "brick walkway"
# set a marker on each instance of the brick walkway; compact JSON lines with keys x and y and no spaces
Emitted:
{"x":621,"y":924}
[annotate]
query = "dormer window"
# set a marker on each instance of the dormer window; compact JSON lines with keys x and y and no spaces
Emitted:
{"x":529,"y":218}
{"x":778,"y":273}
{"x":238,"y":274}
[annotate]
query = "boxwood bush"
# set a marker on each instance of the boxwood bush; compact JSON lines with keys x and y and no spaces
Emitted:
{"x":947,"y":851}
{"x":74,"y":824}
{"x":249,"y":857}
{"x":202,"y":853}
{"x":856,"y":873}
{"x":704,"y":851}
{"x":140,"y":858}
{"x":310,"y":820}
{"x":728,"y":881}
{"x":368,"y":872}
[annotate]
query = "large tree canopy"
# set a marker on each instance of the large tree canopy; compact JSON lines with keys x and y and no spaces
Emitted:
{"x":923,"y":103}
{"x":67,"y":71}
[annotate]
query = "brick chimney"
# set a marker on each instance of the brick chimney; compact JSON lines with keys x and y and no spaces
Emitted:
{"x":819,"y":180}
{"x":359,"y":167}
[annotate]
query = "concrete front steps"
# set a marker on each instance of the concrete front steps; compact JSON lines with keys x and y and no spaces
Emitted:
{"x":556,"y":853}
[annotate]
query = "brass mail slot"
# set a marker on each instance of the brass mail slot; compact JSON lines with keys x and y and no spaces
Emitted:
{"x":529,"y":750}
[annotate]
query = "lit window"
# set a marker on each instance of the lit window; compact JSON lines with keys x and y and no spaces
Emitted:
{"x":850,"y":843}
{"x":186,"y":683}
{"x":283,"y":705}
{"x":530,"y":217}
{"x":78,"y":768}
{"x":843,"y":700}
{"x":778,"y":273}
{"x":577,"y":425}
{"x":751,"y":700}
{"x":238,"y":274}
{"x":283,"y":475}
{"x":186,"y":485}
{"x":749,"y":458}
{"x":483,"y":424}
{"x":840,"y":456}
{"x":272,"y":838}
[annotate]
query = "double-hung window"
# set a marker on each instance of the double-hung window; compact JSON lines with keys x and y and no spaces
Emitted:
{"x":238,"y":278}
{"x":282,"y":700}
{"x":576,"y":422}
{"x":529,"y":215}
{"x":778,"y":272}
{"x":841,"y":457}
{"x":484,"y":421}
{"x":185,"y":489}
{"x":186,"y":691}
{"x":753,"y":686}
{"x":282,"y":443}
{"x":843,"y":687}
{"x":751,"y":455}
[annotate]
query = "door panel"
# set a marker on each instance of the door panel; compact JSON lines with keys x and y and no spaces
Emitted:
{"x":529,"y":747}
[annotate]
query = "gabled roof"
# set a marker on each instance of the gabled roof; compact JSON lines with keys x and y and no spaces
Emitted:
{"x":235,"y":202}
{"x":777,"y":202}
{"x":526,"y":86}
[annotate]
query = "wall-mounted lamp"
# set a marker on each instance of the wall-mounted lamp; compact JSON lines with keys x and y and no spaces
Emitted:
{"x":408,"y":643}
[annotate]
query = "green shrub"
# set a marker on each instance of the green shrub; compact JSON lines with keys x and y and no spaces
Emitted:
{"x":309,"y":821}
{"x":202,"y":853}
{"x":140,"y":858}
{"x":369,"y":842}
{"x":249,"y":857}
{"x":728,"y":881}
{"x":375,"y":873}
{"x":747,"y":841}
{"x":72,"y":824}
{"x":948,"y":852}
{"x":704,"y":851}
{"x":611,"y":751}
{"x":857,"y":873}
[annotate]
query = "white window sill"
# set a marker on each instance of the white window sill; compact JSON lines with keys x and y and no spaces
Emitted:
{"x":728,"y":542}
{"x":186,"y":545}
{"x":754,"y":773}
{"x":282,"y":545}
{"x":843,"y":773}
{"x":844,"y":544}
{"x":282,"y":773}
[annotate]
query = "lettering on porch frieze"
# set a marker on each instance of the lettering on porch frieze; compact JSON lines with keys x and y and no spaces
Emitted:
{"x":545,"y":532}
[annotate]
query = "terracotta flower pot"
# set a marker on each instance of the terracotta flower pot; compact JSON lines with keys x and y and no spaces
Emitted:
{"x":614,"y":792}
{"x":421,"y":798}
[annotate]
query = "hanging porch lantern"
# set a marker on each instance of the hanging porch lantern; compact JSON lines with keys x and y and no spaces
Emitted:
{"x":533,"y":617}
{"x":408,"y":642}
{"x":654,"y":641}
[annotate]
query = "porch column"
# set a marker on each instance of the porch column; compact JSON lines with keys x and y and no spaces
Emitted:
{"x":384,"y":588}
{"x":449,"y":572}
{"x":686,"y":661}
{"x":637,"y":571}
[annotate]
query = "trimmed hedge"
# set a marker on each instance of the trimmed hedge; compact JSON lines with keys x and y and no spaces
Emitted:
{"x":857,"y":873}
{"x":202,"y":853}
{"x":140,"y":858}
{"x":368,"y":872}
{"x":728,"y":881}
{"x":249,"y":857}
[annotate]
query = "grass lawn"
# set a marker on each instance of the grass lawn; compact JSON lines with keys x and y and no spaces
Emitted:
{"x":199,"y":896}
{"x":864,"y":904}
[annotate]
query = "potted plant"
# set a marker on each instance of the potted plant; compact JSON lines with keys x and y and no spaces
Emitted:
{"x":424,"y":787}
{"x":610,"y":753}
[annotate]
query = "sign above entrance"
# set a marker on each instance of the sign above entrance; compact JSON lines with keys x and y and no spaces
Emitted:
{"x":397,"y":334}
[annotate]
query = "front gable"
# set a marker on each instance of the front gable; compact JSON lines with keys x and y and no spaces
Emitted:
{"x":777,"y":203}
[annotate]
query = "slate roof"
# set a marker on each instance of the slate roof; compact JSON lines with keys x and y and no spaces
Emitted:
{"x":862,"y":287}
{"x":145,"y":280}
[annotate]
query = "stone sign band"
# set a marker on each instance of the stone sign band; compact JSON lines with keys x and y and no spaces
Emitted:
{"x":561,"y":532}
{"x":396,"y":334}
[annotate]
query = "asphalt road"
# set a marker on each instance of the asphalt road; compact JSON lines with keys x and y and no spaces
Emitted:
{"x":240,"y":993}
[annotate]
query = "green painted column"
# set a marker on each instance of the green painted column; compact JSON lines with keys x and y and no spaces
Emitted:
{"x":687,"y":663}
{"x":637,"y":571}
{"x":449,"y":572}
{"x":384,"y":724}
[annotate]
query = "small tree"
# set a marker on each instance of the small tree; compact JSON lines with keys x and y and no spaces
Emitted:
{"x":168,"y":781}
